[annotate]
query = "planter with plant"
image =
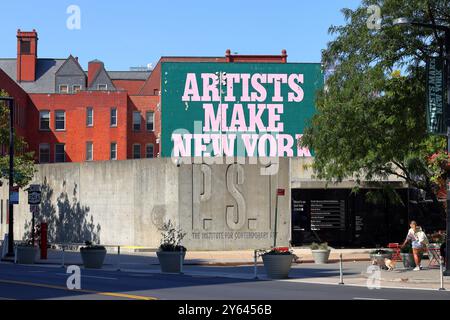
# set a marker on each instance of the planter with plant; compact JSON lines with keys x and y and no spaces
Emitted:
{"x":379,"y":256}
{"x":278,"y":262}
{"x":93,"y":256}
{"x":407,"y":257}
{"x":171,"y":253}
{"x":26,"y":253}
{"x":321,"y":252}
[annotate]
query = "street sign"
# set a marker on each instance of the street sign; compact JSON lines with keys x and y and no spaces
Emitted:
{"x":34,"y":194}
{"x":281,"y":192}
{"x":14,"y":197}
{"x":436,"y":114}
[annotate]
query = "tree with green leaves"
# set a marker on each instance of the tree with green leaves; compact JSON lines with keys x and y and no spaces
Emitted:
{"x":371,"y":116}
{"x":23,"y":160}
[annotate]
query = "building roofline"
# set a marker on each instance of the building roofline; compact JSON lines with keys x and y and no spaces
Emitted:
{"x":70,"y":58}
{"x":129,"y":71}
{"x":37,"y":58}
{"x":194,"y":57}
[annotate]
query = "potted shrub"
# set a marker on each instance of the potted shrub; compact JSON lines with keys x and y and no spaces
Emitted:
{"x":93,"y":256}
{"x":26,"y":253}
{"x":321,"y":252}
{"x":278,"y":262}
{"x":407,"y":257}
{"x":378,"y":257}
{"x":171,"y":253}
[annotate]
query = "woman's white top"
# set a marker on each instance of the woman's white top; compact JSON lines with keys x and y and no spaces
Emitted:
{"x":417,"y":235}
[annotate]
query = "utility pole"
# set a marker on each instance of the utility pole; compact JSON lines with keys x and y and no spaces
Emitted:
{"x":447,"y":63}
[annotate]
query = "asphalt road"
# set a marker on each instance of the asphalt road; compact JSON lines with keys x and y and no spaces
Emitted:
{"x":34,"y":282}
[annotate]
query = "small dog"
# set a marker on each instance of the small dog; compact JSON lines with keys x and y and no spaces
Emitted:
{"x":390,"y":264}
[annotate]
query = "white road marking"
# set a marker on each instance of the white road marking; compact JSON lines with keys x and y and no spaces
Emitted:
{"x":369,"y":299}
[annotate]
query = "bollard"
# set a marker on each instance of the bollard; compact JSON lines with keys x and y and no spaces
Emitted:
{"x":441,"y":263}
{"x":43,"y":241}
{"x":341,"y":270}
{"x":15,"y":255}
{"x":118,"y":258}
{"x":255,"y":260}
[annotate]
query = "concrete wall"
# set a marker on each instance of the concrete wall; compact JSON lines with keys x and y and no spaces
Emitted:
{"x":220,"y":207}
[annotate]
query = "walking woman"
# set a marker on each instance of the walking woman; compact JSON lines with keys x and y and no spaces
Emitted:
{"x":419,"y":242}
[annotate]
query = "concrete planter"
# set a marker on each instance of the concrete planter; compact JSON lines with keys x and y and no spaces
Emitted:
{"x":171,"y":261}
{"x":277,"y":266}
{"x":93,"y":258}
{"x":321,"y":256}
{"x":408,"y":260}
{"x":26,"y":255}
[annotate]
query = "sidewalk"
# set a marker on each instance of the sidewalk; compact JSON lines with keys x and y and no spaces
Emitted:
{"x":427,"y":279}
{"x":240,"y":265}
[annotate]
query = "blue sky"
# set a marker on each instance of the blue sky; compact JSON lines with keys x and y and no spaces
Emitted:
{"x":134,"y":32}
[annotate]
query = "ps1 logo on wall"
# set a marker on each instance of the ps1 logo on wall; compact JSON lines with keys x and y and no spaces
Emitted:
{"x":244,"y":109}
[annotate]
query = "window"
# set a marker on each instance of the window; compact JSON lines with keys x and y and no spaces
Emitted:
{"x":136,"y":121}
{"x":44,"y":120}
{"x":113,"y":153}
{"x":89,"y":116}
{"x":89,"y":151}
{"x":150,"y":120}
{"x":25,"y":47}
{"x":76,"y":88}
{"x":102,"y":87}
{"x":60,"y":120}
{"x":113,"y":117}
{"x":60,"y":152}
{"x":136,"y":151}
{"x":44,"y":153}
{"x":63,"y":88}
{"x":149,"y":151}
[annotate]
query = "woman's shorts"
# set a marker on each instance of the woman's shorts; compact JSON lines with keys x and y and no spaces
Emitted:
{"x":417,"y":245}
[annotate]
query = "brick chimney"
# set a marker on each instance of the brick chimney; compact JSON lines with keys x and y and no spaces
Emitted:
{"x":93,"y":68}
{"x":26,"y":55}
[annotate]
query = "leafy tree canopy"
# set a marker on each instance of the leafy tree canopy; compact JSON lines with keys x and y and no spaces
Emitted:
{"x":23,"y":160}
{"x":371,"y":119}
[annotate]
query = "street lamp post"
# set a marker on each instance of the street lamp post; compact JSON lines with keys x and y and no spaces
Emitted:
{"x":10,"y":102}
{"x":446,"y":30}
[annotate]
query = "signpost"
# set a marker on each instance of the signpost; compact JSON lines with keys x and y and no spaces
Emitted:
{"x":436,"y":109}
{"x":34,"y":200}
{"x":14,"y":196}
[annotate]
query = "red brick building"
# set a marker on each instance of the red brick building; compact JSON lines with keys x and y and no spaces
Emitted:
{"x":67,"y":114}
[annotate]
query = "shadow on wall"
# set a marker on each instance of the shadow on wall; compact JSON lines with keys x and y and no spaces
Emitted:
{"x":69,"y":221}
